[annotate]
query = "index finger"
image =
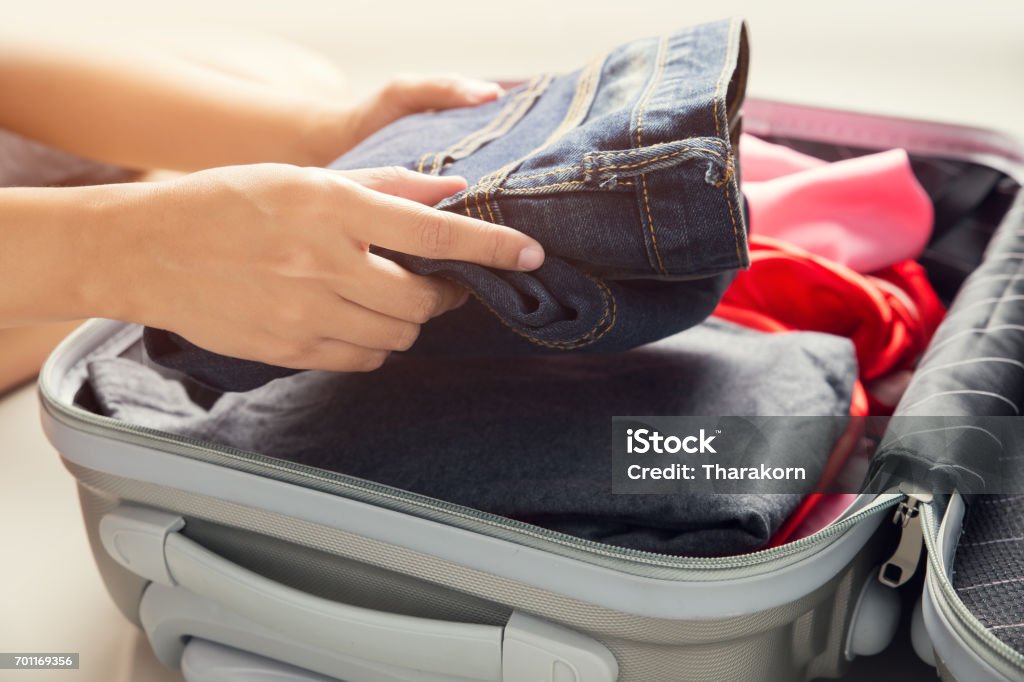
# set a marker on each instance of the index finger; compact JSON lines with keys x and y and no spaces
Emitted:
{"x":408,"y":227}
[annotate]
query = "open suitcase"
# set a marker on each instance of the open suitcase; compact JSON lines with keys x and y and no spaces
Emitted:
{"x":236,"y":564}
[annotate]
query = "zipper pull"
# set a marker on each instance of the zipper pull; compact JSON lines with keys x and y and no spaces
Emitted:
{"x":902,"y":565}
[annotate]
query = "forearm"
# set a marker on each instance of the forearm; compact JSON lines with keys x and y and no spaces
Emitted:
{"x":26,"y":348}
{"x":131,"y":106}
{"x":60,"y":257}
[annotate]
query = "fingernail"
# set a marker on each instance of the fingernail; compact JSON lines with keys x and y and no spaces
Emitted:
{"x":462,"y":300}
{"x":531,"y":258}
{"x":480,"y":90}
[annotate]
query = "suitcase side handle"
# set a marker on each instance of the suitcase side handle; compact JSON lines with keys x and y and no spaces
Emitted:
{"x":526,"y":649}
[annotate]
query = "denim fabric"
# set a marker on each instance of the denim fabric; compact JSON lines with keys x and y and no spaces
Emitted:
{"x":529,"y":437}
{"x":624,"y":170}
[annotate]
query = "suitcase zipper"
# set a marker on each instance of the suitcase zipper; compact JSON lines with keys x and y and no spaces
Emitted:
{"x":983,"y":639}
{"x":445,"y":512}
{"x":901,"y":566}
{"x":915,"y":517}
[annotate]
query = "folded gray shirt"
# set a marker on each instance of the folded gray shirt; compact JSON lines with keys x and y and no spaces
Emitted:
{"x":525,"y":437}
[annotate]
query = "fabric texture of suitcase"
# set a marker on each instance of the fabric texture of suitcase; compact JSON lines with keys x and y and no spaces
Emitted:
{"x":361,"y":582}
{"x":989,"y":567}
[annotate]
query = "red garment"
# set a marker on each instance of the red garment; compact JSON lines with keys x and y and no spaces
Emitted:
{"x":889,"y":315}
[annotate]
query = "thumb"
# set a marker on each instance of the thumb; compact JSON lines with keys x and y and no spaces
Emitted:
{"x":413,"y":94}
{"x":407,"y":184}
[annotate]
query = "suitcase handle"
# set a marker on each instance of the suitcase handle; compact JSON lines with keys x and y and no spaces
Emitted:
{"x":148,"y":543}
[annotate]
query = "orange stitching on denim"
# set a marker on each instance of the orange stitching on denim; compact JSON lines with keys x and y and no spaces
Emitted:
{"x":438,"y":159}
{"x":581,"y":101}
{"x":632,"y":152}
{"x":487,"y":201}
{"x":610,"y":307}
{"x":582,"y":97}
{"x":423,"y":160}
{"x":563,"y":169}
{"x":726,"y":181}
{"x":661,"y":57}
{"x":727,"y":176}
{"x":478,"y":188}
{"x":487,"y":198}
{"x":650,"y":223}
{"x":476,"y":200}
{"x":512,"y":115}
{"x":529,"y":190}
{"x":648,"y":162}
{"x":489,"y":181}
{"x":721,"y":75}
{"x":497,"y":126}
{"x":493,"y":181}
{"x":610,"y":310}
{"x":636,"y":109}
{"x":553,"y":171}
{"x":592,"y":336}
{"x":732,"y":219}
{"x":581,"y":184}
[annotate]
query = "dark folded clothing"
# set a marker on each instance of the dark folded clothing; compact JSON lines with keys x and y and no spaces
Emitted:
{"x":624,"y":170}
{"x":529,"y":437}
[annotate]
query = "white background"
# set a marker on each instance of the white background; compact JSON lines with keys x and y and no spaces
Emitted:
{"x":958,"y":62}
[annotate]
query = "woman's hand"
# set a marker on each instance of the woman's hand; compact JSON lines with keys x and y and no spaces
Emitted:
{"x":142,"y":102}
{"x":341,"y":128}
{"x":263,"y":262}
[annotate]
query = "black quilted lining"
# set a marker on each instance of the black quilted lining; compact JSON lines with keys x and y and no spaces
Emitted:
{"x":988,"y":570}
{"x":974,"y":367}
{"x":975,"y":363}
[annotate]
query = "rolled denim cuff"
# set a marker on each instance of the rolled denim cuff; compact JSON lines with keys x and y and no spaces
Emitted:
{"x":633,"y":176}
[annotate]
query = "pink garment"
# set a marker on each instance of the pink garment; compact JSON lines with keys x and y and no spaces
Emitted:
{"x":762,"y":160}
{"x":866,"y":213}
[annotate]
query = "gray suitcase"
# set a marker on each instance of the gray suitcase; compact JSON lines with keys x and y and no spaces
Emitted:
{"x":240,"y":566}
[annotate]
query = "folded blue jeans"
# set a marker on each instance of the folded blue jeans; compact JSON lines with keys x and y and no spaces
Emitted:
{"x":626,"y":172}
